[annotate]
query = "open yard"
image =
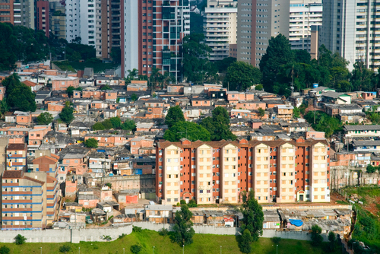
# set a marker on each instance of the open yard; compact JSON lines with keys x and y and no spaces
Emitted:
{"x":203,"y":244}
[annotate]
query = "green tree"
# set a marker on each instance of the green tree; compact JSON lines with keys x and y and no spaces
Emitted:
{"x":70,"y":91}
{"x":155,"y":77}
{"x":98,"y":126}
{"x":19,"y":239}
{"x":320,"y":121}
{"x":116,"y":55}
{"x":45,"y":118}
{"x":105,"y":87}
{"x":261,"y":112}
{"x":362,"y":78}
{"x":253,"y":216}
{"x":296,"y":112}
{"x":192,"y":203}
{"x":332,"y":239}
{"x":129,"y":125}
{"x":218,"y":125}
{"x":189,"y":130}
{"x":316,"y":238}
{"x":278,"y":53}
{"x":371,"y":169}
{"x":196,"y":66}
{"x":116,"y":122}
{"x":5,"y":250}
{"x":65,"y":248}
{"x":241,"y":75}
{"x":223,"y":65}
{"x":134,"y":97}
{"x":91,"y":143}
{"x":135,"y":249}
{"x":259,"y":87}
{"x":245,"y":242}
{"x":174,"y":116}
{"x":3,"y":107}
{"x":107,"y":124}
{"x":66,"y":114}
{"x":18,"y":95}
{"x":183,"y":227}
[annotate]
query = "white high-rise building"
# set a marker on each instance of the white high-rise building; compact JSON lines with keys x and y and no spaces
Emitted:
{"x":220,"y":23}
{"x":351,"y":28}
{"x":72,"y":11}
{"x":303,"y":15}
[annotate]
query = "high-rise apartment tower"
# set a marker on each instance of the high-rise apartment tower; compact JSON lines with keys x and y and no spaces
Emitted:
{"x":258,"y":21}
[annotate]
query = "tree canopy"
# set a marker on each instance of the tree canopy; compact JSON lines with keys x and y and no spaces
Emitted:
{"x":196,"y":65}
{"x":189,"y":130}
{"x":174,"y":115}
{"x":321,"y":121}
{"x":183,"y":230}
{"x":91,"y":143}
{"x":45,"y":118}
{"x":18,"y":95}
{"x":218,"y":125}
{"x":66,"y":114}
{"x":241,"y":75}
{"x":253,"y":216}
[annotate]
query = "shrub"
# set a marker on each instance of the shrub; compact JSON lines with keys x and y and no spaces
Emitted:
{"x":183,"y":202}
{"x":4,"y":250}
{"x":276,"y":240}
{"x":136,"y":229}
{"x":135,"y":248}
{"x":122,"y":236}
{"x":64,"y":248}
{"x":20,"y":239}
{"x":316,"y":238}
{"x":107,"y":237}
{"x":163,"y":232}
{"x":192,"y":203}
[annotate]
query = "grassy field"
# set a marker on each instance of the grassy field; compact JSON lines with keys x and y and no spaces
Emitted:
{"x":73,"y":66}
{"x":203,"y":244}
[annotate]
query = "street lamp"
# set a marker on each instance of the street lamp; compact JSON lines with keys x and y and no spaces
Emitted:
{"x":276,"y":248}
{"x":79,"y":249}
{"x":153,"y":248}
{"x":41,"y":249}
{"x":183,"y":249}
{"x":123,"y":250}
{"x":220,"y":249}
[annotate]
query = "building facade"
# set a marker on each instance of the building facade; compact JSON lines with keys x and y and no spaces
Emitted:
{"x":16,"y":157}
{"x":303,"y":15}
{"x":216,"y":172}
{"x":152,"y":35}
{"x":97,"y":23}
{"x":350,"y":28}
{"x":220,"y":25}
{"x":17,"y":12}
{"x":258,"y":21}
{"x":42,"y":18}
{"x":22,"y":201}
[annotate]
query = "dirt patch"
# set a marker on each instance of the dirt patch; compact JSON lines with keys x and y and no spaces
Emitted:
{"x":372,"y":205}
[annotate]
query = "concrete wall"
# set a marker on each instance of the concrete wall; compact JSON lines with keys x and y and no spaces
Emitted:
{"x":66,"y":235}
{"x":297,"y":235}
{"x":96,"y":234}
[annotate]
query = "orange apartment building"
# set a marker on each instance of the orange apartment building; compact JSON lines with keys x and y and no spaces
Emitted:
{"x":16,"y":157}
{"x":2,"y":92}
{"x":217,"y":171}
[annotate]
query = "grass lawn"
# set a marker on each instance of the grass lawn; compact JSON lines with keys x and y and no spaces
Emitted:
{"x":203,"y":244}
{"x":73,"y":66}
